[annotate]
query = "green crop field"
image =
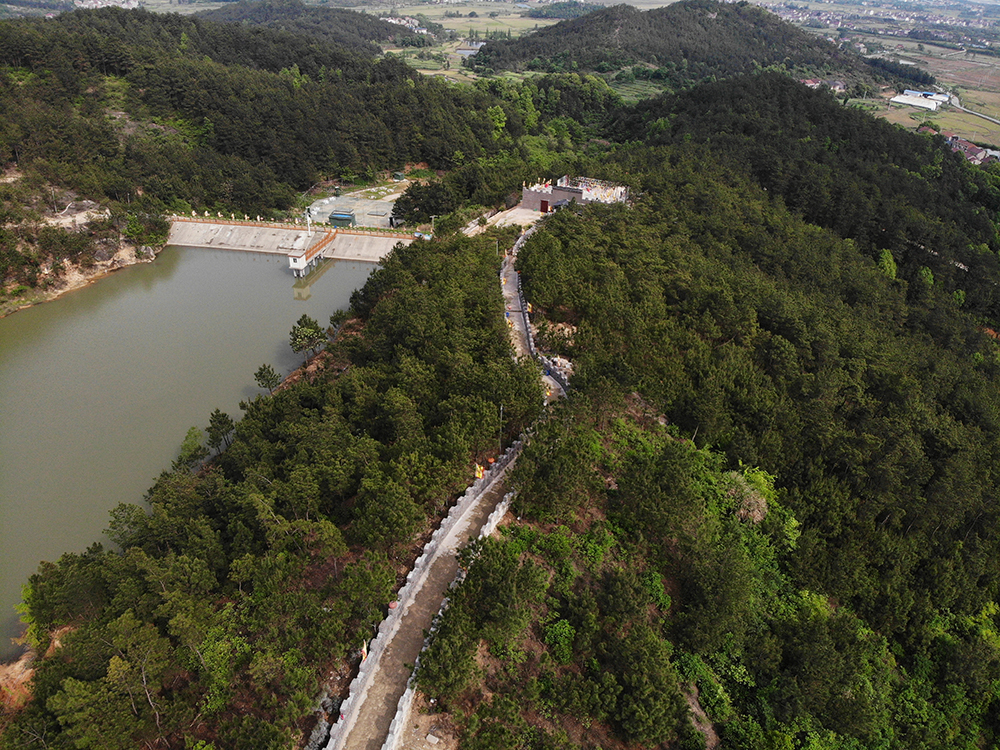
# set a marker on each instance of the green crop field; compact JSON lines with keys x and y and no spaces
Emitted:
{"x":171,"y":6}
{"x":636,"y":90}
{"x":488,"y":17}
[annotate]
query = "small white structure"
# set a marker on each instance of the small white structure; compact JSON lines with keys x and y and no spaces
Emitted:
{"x":932,"y":95}
{"x":544,"y":196}
{"x":916,"y":101}
{"x":299,"y":255}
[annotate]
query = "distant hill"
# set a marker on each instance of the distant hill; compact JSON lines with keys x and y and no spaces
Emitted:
{"x":690,"y":41}
{"x":565,"y":11}
{"x":349,"y":28}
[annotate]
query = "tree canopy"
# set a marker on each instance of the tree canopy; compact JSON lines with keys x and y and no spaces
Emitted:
{"x":685,"y":43}
{"x":770,"y":494}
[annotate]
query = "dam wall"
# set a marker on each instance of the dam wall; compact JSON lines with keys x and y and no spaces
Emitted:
{"x":368,"y":245}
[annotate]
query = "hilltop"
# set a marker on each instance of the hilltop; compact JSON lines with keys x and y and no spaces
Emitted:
{"x":768,"y":500}
{"x":679,"y":44}
{"x":358,"y":31}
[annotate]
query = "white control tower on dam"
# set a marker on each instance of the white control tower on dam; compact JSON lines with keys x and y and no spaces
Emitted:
{"x":302,"y":245}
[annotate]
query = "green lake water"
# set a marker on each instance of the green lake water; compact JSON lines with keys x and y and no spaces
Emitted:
{"x":99,"y":387}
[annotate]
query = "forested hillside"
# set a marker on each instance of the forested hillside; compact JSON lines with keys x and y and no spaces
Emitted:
{"x":764,"y":516}
{"x":772,"y":492}
{"x":842,"y":170}
{"x":334,"y":25}
{"x":682,"y":44}
{"x":216,"y":114}
{"x":146,"y":114}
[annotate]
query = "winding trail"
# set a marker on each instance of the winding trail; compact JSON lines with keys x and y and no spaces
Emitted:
{"x":367,"y":717}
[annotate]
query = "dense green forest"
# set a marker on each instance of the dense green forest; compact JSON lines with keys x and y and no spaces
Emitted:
{"x":329,"y":25}
{"x":682,"y":44}
{"x":774,"y":485}
{"x":766,"y":511}
{"x":217,"y":114}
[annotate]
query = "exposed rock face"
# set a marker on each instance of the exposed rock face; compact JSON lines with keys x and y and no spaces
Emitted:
{"x":110,"y":256}
{"x":15,"y":682}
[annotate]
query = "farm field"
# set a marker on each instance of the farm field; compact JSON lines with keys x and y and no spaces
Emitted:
{"x":971,"y":74}
{"x":977,"y":82}
{"x":184,"y":9}
{"x":976,"y":79}
{"x":440,"y":60}
{"x":967,"y":126}
{"x":489,"y":17}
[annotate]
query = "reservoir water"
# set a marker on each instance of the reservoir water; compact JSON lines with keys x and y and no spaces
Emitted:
{"x":99,"y":387}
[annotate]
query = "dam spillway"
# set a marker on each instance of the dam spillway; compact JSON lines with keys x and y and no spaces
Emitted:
{"x":290,"y":240}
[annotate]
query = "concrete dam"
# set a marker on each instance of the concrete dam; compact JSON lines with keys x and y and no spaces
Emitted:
{"x":302,"y":245}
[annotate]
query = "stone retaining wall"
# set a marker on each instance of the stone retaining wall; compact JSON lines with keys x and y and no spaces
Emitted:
{"x":414,"y":580}
{"x":404,"y":709}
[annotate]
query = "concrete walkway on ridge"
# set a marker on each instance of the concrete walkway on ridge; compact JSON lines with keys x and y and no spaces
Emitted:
{"x":378,"y":705}
{"x":518,"y":329}
{"x":367,"y":722}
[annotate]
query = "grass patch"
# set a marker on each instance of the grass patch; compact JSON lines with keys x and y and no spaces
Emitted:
{"x":185,"y":9}
{"x":489,"y":17}
{"x":634,"y":91}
